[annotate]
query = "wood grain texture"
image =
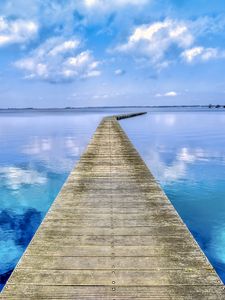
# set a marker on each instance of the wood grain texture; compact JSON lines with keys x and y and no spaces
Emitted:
{"x":112,"y":233}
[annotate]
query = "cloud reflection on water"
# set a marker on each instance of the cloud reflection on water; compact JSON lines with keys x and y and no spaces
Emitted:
{"x":38,"y":151}
{"x":14,"y":177}
{"x":186,"y":153}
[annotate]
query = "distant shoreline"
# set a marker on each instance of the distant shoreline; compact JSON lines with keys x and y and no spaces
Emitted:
{"x":210,"y":106}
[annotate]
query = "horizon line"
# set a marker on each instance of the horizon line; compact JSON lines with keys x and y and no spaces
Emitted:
{"x":116,"y":106}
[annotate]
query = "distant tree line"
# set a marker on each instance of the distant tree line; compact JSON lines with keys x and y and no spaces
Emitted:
{"x":216,"y":106}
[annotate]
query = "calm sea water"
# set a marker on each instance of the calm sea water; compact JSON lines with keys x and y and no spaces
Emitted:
{"x":37,"y":153}
{"x":185,"y":151}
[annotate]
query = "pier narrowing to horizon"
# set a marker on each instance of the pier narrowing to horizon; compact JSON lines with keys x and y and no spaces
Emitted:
{"x":113,"y":234}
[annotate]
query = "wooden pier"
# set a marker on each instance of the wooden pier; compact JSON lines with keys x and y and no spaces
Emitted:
{"x":112,"y":234}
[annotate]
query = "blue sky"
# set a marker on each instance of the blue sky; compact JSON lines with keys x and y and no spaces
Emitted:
{"x":56,"y":53}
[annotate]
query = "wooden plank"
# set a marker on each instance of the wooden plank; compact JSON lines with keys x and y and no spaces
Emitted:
{"x":121,"y":277}
{"x":113,"y":234}
{"x":197,"y":292}
{"x":105,"y":263}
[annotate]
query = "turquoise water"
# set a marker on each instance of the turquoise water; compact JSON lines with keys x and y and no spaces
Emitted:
{"x":185,"y":151}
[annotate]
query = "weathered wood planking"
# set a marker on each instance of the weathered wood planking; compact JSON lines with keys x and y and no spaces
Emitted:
{"x":112,"y":234}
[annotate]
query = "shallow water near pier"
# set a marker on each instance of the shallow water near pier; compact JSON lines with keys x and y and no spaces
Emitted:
{"x":184,"y":150}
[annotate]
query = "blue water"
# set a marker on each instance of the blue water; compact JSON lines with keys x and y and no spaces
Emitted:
{"x":186,"y":153}
{"x":38,"y":151}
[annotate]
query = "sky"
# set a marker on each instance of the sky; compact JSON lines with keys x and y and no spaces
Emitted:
{"x":59,"y":53}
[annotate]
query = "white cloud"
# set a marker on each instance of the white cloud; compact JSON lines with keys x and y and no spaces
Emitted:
{"x":59,"y":60}
{"x":16,"y":31}
{"x":119,"y":72}
{"x":92,"y":73}
{"x":171,"y":94}
{"x":152,"y":41}
{"x":190,"y":54}
{"x":165,"y":42}
{"x":202,"y":54}
{"x":64,"y":47}
{"x":15,"y":177}
{"x":168,"y":94}
{"x":79,"y":60}
{"x":109,"y":5}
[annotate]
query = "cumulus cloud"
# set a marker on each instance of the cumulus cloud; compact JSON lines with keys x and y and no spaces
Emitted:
{"x":16,"y":31}
{"x":152,"y":41}
{"x":168,"y":41}
{"x":202,"y":54}
{"x":58,"y":60}
{"x":168,"y":94}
